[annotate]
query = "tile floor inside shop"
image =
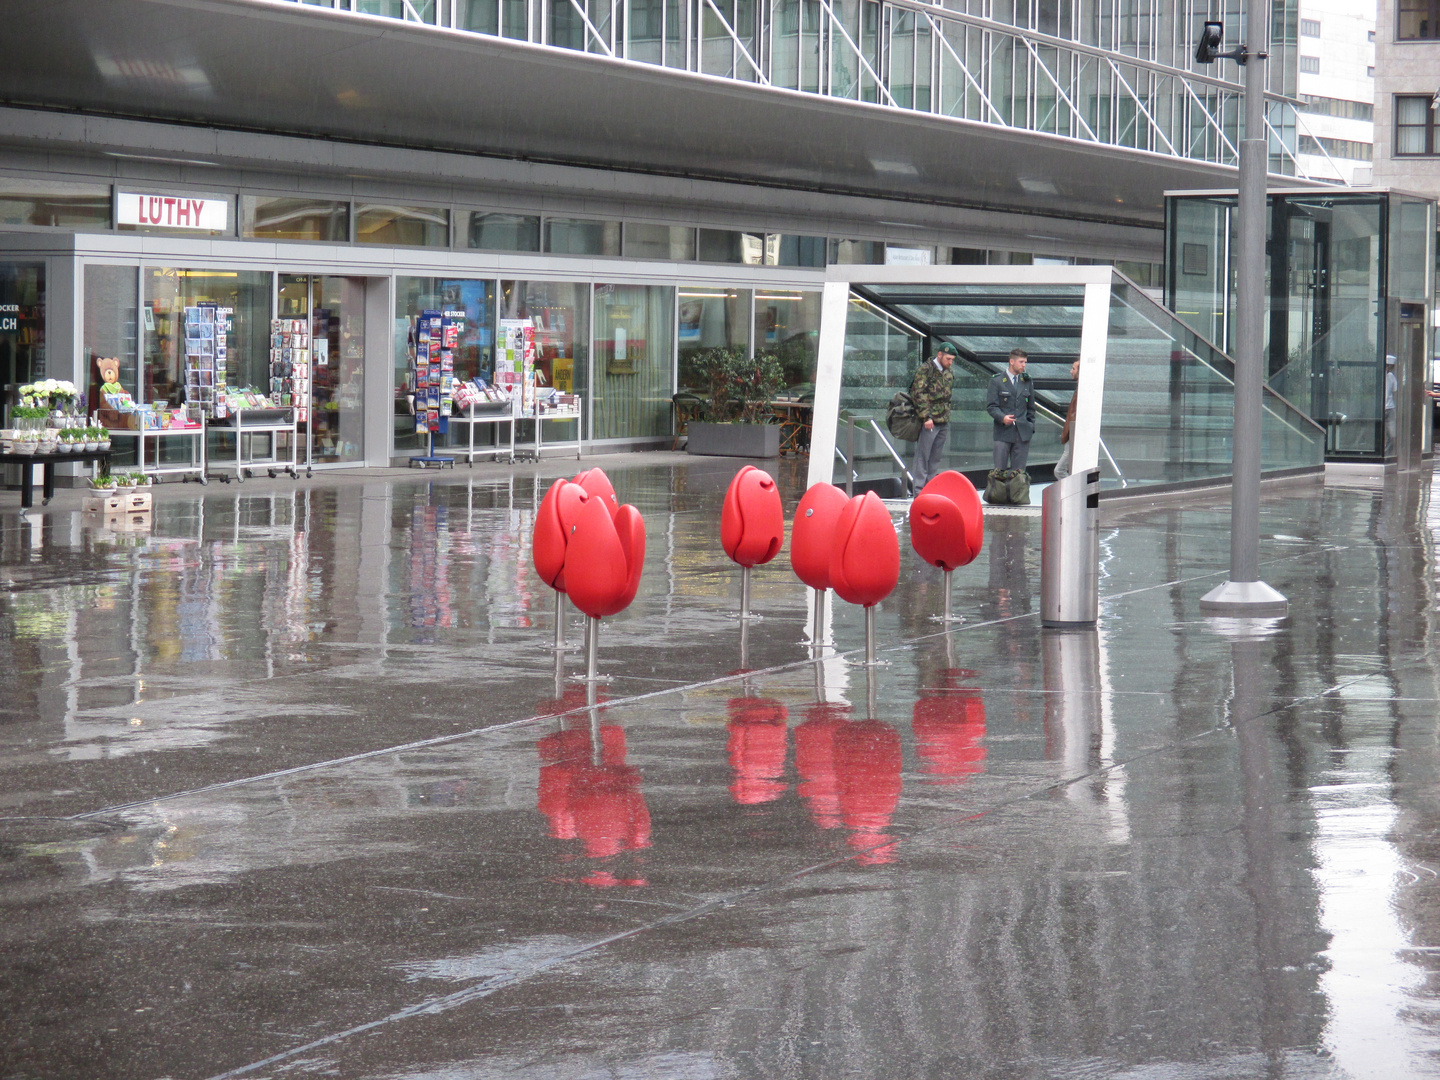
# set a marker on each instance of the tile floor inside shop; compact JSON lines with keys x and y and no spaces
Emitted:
{"x":289,"y":788}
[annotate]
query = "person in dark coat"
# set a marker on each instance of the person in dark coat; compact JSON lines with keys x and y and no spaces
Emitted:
{"x":1010,"y":402}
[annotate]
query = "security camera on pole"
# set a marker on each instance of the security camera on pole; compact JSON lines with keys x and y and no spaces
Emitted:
{"x":1244,"y":593}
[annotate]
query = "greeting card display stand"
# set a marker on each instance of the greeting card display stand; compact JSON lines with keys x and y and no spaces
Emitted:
{"x":432,"y":344}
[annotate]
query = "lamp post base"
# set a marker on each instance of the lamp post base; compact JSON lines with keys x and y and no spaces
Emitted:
{"x":1253,"y":598}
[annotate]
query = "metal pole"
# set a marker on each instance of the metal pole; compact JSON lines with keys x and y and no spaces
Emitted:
{"x":1245,"y":593}
{"x":744,"y":592}
{"x":948,"y":616}
{"x":870,"y":636}
{"x":592,"y":649}
{"x":559,"y":621}
{"x":849,"y":457}
{"x":817,"y":634}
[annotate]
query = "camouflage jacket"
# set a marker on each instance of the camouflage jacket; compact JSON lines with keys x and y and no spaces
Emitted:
{"x":930,"y":391}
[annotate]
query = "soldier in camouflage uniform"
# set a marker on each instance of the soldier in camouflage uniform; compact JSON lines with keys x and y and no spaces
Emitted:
{"x":930,"y":390}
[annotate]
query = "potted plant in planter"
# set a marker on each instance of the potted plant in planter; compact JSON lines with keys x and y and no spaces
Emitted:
{"x":737,"y":420}
{"x":103,"y":482}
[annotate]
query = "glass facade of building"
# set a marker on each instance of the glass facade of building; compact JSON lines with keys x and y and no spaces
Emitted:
{"x":1117,"y":72}
{"x":1349,"y":280}
{"x":1168,"y":393}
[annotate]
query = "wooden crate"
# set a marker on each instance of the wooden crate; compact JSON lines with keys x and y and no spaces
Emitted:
{"x":125,"y":502}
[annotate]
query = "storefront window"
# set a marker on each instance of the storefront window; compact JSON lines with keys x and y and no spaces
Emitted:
{"x":22,"y":323}
{"x":110,"y":325}
{"x":787,"y":323}
{"x":168,"y":292}
{"x":634,"y":351}
{"x":71,"y":206}
{"x":294,"y":219}
{"x":474,"y":356}
{"x":402,"y":226}
{"x":504,"y":232}
{"x":710,"y":318}
{"x":561,"y":314}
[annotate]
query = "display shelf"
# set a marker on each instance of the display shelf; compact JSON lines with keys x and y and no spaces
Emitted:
{"x":572,"y":413}
{"x":251,"y":423}
{"x":472,"y":418}
{"x":195,"y":437}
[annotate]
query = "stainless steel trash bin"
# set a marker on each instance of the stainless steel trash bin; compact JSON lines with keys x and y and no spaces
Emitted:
{"x":1070,"y":551}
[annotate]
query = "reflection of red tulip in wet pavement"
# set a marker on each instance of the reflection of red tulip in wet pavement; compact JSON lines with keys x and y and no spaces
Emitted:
{"x":759,"y":741}
{"x":949,"y":726}
{"x":812,"y":537}
{"x":867,"y":770}
{"x":947,"y":525}
{"x":815,"y":762}
{"x":601,"y":805}
{"x":865,"y":559}
{"x":752,"y":524}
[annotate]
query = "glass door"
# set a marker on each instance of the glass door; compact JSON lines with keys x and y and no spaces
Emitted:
{"x":336,"y":309}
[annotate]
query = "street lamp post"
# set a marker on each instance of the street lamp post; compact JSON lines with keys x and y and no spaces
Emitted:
{"x":1244,"y":593}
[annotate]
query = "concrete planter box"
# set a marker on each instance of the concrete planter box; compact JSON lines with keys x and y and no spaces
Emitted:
{"x":734,"y":440}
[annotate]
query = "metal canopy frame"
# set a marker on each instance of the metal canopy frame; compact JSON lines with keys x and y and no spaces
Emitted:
{"x":903,"y":54}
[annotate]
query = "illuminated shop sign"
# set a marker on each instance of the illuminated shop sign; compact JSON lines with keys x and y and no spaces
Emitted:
{"x":172,"y":211}
{"x":9,"y":318}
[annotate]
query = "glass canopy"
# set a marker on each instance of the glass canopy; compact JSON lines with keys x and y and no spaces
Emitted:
{"x":1166,"y":392}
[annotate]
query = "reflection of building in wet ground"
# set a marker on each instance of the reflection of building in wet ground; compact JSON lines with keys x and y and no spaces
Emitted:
{"x":1179,"y":845}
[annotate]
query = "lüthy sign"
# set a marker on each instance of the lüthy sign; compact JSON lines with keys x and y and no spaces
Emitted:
{"x":172,"y":211}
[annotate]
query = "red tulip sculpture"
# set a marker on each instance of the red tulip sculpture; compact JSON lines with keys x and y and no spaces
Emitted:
{"x":752,"y":525}
{"x":604,"y":556}
{"x":554,"y":522}
{"x":947,"y":527}
{"x":865,"y":559}
{"x":812,"y":535}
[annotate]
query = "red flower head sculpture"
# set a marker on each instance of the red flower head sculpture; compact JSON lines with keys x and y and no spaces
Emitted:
{"x":759,"y":742}
{"x":865,"y":553}
{"x":554,"y":524}
{"x":598,"y":485}
{"x":604,"y":558}
{"x":752,"y":523}
{"x":812,"y":535}
{"x":946,"y":523}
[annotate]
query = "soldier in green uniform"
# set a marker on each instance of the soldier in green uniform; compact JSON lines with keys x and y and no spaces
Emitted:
{"x":930,"y":390}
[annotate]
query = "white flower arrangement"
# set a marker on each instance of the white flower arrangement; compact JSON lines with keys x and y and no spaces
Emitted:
{"x":49,"y":389}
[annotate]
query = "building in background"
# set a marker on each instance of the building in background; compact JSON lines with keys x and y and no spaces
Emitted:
{"x":631,"y":178}
{"x":1407,"y":82}
{"x":1336,"y":81}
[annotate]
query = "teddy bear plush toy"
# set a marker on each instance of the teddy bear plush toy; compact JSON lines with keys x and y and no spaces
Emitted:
{"x":109,"y":367}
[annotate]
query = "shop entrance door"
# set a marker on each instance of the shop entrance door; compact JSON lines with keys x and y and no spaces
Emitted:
{"x":336,"y":309}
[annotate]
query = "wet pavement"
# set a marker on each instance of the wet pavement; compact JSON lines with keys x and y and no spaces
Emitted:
{"x":289,"y":787}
